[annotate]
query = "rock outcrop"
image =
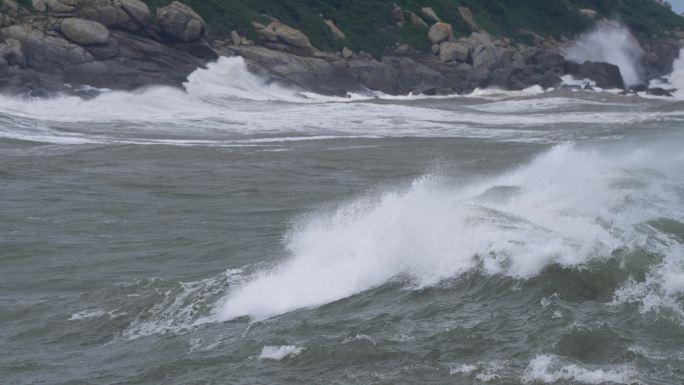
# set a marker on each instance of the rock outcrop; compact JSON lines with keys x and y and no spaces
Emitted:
{"x":120,"y":44}
{"x":66,"y":44}
{"x":84,"y":32}
{"x":605,"y":75}
{"x":180,"y":22}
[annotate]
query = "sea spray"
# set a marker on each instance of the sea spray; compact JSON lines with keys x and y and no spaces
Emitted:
{"x":613,"y":43}
{"x":675,"y":80}
{"x":567,"y":207}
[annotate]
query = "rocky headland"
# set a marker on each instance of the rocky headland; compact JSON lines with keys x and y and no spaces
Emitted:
{"x":76,"y":46}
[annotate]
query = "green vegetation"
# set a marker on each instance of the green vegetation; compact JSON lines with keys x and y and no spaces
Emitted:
{"x":369,"y":26}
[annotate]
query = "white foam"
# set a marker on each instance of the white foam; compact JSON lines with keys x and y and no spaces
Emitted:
{"x":227,"y":106}
{"x":675,"y":80}
{"x":612,"y":43}
{"x":484,"y":371}
{"x":87,"y":314}
{"x":278,"y":353}
{"x":544,"y":368}
{"x":563,"y":208}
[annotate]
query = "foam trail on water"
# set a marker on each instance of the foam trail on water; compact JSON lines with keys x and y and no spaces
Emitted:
{"x":612,"y":43}
{"x":566,"y":207}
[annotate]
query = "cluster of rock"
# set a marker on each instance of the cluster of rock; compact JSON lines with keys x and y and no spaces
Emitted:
{"x":456,"y":65}
{"x":60,"y":45}
{"x":64,"y":44}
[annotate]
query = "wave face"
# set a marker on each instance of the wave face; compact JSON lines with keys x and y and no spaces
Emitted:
{"x":567,"y":208}
{"x":612,"y":43}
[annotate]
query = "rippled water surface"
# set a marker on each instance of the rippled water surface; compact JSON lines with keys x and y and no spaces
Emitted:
{"x":242,"y":233}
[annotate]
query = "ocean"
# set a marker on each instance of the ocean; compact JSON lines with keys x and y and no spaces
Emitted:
{"x":244,"y":233}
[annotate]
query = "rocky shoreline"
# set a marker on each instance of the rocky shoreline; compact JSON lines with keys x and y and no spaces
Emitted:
{"x":74,"y":46}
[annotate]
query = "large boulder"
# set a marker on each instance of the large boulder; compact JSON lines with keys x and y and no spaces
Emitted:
{"x":56,"y":6}
{"x":105,"y":12}
{"x":138,"y":11}
{"x":450,"y":51}
{"x":467,"y":16}
{"x":179,"y":22}
{"x":605,"y":75}
{"x":282,"y":37}
{"x":310,"y":73}
{"x":440,"y":32}
{"x":383,"y":77}
{"x":485,"y":56}
{"x":126,"y":14}
{"x":289,"y":35}
{"x":84,"y":32}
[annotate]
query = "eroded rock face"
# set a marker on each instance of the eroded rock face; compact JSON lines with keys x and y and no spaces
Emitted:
{"x":84,"y":32}
{"x":180,"y":22}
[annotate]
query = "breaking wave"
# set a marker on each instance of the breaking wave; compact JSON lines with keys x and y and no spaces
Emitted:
{"x":612,"y":43}
{"x":568,"y":207}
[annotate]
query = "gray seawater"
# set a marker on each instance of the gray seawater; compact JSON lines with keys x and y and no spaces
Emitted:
{"x":245,"y":234}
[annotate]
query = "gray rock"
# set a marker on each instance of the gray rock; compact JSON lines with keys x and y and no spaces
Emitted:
{"x":485,"y":56}
{"x":61,"y":6}
{"x":429,"y":12}
{"x":12,"y":52}
{"x":326,"y":76}
{"x":84,"y":32}
{"x":450,"y":51}
{"x":138,"y":11}
{"x":467,"y":16}
{"x":417,"y":20}
{"x":550,"y":80}
{"x":180,"y":22}
{"x":336,"y":32}
{"x":103,"y":11}
{"x":39,"y":5}
{"x":440,"y":32}
{"x":289,"y":35}
{"x":383,"y":78}
{"x":605,"y":75}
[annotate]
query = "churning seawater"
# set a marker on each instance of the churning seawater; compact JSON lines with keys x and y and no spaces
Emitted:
{"x":243,"y":233}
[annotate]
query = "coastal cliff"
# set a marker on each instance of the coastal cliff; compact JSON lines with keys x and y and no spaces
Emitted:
{"x":429,"y":47}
